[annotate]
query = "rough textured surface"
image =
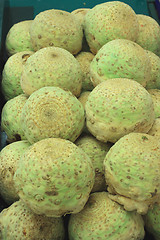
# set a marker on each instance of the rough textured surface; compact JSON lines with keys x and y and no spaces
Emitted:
{"x":17,"y":222}
{"x":18,"y":38}
{"x":102,"y":219}
{"x":56,"y":28}
{"x":132,"y":171}
{"x":11,"y":75}
{"x":155,"y":129}
{"x":154,"y":81}
{"x":54,"y":177}
{"x":121,"y":58}
{"x":84,"y":97}
{"x":11,"y":118}
{"x":155,"y":94}
{"x":108,"y":21}
{"x":80,"y":14}
{"x":9,"y":157}
{"x":152,"y":221}
{"x":52,"y":112}
{"x":149,"y":33}
{"x":52,"y":66}
{"x":97,"y":151}
{"x":117,"y":107}
{"x":84,"y":59}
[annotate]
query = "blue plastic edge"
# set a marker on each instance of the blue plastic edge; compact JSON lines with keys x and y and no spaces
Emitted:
{"x":157,"y":3}
{"x":139,"y":6}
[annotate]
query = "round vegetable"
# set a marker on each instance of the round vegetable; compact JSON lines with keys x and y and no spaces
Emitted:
{"x":54,"y":177}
